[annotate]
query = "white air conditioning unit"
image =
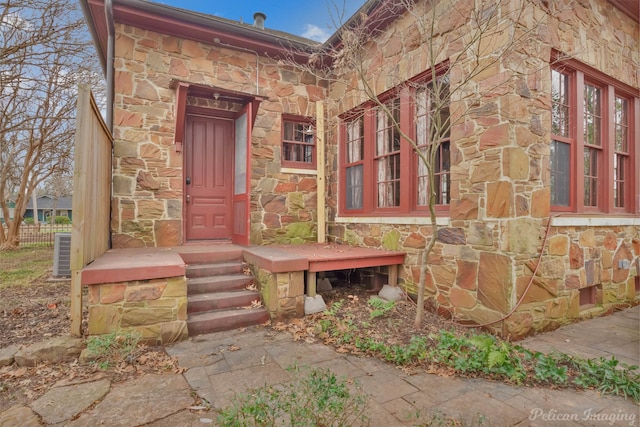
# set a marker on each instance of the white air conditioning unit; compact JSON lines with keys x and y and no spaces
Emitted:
{"x":62,"y":255}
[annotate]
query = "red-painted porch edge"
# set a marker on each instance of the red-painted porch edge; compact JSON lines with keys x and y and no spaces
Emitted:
{"x":275,"y":260}
{"x":344,"y":264}
{"x":332,"y":256}
{"x":124,"y":265}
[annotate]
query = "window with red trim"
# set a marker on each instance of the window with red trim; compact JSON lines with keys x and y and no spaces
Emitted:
{"x":425,"y":115}
{"x":591,"y":153}
{"x":593,"y":148}
{"x":621,"y":156}
{"x":380,"y":173}
{"x":354,"y":163}
{"x":298,"y":142}
{"x":387,"y":157}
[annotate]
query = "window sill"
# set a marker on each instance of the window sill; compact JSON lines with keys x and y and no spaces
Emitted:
{"x":594,"y":221}
{"x":441,"y":220}
{"x":299,"y":171}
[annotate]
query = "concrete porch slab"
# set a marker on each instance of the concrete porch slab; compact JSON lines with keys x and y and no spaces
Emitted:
{"x":124,"y":265}
{"x":120,"y":265}
{"x":275,"y":259}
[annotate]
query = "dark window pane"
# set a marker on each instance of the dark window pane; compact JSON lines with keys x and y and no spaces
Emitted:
{"x":355,"y":140}
{"x":432,"y":133}
{"x":389,"y":181}
{"x":288,"y":131}
{"x":621,"y":125}
{"x":619,"y":174}
{"x":591,"y":176}
{"x":298,"y":142}
{"x":443,"y":174}
{"x":388,"y":155}
{"x":354,"y":187}
{"x":560,"y":179}
{"x":592,"y":116}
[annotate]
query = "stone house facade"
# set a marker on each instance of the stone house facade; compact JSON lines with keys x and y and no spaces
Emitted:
{"x":539,"y":218}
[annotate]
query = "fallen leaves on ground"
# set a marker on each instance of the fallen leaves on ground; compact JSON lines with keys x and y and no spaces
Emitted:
{"x":30,"y":314}
{"x":393,"y":328}
{"x":25,"y":384}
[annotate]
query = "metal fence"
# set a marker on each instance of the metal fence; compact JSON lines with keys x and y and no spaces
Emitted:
{"x":40,"y":235}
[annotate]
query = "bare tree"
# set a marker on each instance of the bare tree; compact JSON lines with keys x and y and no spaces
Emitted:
{"x":460,"y":42}
{"x":58,"y":185}
{"x":45,"y":52}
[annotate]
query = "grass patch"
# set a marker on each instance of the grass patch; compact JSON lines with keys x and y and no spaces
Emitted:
{"x":314,"y":397}
{"x":22,"y":266}
{"x":110,"y":350}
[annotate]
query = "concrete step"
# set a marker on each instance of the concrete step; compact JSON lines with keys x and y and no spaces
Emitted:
{"x":227,"y":282}
{"x":217,"y":269}
{"x":212,"y":255}
{"x":221,"y":300}
{"x":224,"y":320}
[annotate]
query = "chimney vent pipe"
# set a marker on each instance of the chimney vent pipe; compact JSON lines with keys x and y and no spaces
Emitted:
{"x":258,"y":20}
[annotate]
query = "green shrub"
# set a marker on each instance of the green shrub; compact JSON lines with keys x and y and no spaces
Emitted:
{"x":60,"y":220}
{"x":380,"y":307}
{"x":481,"y":354}
{"x":609,"y":376}
{"x":314,"y":397}
{"x":28,"y":221}
{"x":478,"y":353}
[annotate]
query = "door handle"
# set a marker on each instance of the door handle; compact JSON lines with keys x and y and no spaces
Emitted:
{"x":188,"y":198}
{"x":188,"y":180}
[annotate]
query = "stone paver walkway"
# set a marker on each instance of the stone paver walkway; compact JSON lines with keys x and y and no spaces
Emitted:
{"x":615,"y":335}
{"x":222,"y":364}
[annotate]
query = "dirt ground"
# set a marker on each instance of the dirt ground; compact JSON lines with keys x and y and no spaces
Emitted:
{"x":33,"y":313}
{"x":393,"y":327}
{"x":39,"y":309}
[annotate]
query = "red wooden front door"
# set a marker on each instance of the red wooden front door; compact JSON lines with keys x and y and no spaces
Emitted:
{"x":208,"y":178}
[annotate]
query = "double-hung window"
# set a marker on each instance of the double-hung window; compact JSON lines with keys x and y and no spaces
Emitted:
{"x":381,"y":173}
{"x":593,"y":147}
{"x":298,"y":142}
{"x":354,"y":163}
{"x":622,"y":154}
{"x":432,"y":138}
{"x":592,"y":152}
{"x":387,"y":155}
{"x":561,"y":143}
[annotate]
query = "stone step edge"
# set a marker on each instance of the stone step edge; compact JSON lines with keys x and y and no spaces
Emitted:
{"x":223,"y":294}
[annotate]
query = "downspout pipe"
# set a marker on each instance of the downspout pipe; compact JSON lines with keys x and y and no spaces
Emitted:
{"x":108,"y":9}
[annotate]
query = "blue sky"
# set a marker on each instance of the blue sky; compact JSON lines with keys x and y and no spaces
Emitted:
{"x":314,"y":19}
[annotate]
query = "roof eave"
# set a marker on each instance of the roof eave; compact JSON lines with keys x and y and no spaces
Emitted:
{"x":181,"y":23}
{"x":86,"y":11}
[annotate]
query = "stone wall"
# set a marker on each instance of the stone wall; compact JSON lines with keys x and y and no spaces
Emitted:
{"x":156,"y":308}
{"x":575,"y":259}
{"x":500,"y":139}
{"x":147,"y":182}
{"x":282,"y":293}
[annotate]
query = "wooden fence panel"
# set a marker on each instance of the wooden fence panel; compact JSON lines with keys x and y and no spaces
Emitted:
{"x":91,"y":196}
